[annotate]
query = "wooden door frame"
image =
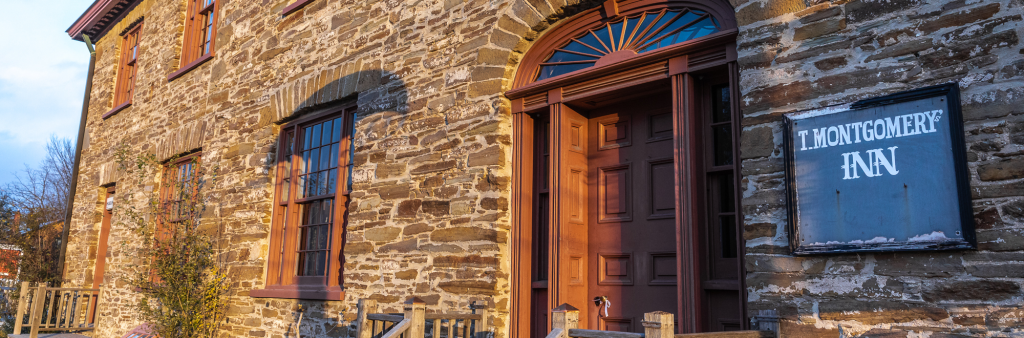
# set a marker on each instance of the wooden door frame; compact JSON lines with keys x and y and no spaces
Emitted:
{"x":102,"y":240}
{"x":674,"y":64}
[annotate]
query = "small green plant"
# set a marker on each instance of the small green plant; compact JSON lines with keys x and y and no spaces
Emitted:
{"x":181,"y":282}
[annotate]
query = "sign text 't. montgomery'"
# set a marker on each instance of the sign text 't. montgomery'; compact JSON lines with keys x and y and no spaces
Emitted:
{"x":867,"y":131}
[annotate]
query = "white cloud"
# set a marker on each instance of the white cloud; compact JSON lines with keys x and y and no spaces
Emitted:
{"x":42,"y":79}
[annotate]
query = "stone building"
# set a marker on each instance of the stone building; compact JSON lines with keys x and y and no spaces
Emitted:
{"x":479,"y":151}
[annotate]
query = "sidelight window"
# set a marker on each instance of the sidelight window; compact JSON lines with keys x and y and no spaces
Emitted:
{"x":721,"y":181}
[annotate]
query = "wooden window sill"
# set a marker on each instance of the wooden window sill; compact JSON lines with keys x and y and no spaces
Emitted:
{"x":117,"y":109}
{"x":298,"y":4}
{"x":299,"y":292}
{"x":181,"y":71}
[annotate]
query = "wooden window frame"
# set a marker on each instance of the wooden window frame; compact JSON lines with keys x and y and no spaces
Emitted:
{"x":124,"y":87}
{"x":282,"y":280}
{"x":295,"y":6}
{"x":167,"y":185}
{"x":194,"y":50}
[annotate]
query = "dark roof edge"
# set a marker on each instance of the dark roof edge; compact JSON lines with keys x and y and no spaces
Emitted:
{"x":92,"y":20}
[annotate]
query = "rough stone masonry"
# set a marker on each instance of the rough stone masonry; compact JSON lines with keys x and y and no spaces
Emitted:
{"x":429,"y":211}
{"x":798,"y":55}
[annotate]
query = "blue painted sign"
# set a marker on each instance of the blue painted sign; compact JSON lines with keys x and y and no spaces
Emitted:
{"x":884,"y":174}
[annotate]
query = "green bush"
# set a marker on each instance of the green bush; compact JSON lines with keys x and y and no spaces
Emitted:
{"x":181,"y":282}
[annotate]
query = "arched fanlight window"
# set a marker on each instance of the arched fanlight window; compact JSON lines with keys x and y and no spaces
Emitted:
{"x":632,"y":35}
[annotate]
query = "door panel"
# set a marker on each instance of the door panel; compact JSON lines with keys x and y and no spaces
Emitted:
{"x":632,"y":212}
{"x":570,"y":207}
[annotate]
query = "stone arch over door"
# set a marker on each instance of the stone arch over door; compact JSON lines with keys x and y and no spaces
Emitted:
{"x":613,"y":69}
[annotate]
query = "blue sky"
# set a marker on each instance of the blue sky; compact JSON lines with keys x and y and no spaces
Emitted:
{"x":42,"y":79}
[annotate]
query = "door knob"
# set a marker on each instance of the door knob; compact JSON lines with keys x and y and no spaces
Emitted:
{"x":603,"y":304}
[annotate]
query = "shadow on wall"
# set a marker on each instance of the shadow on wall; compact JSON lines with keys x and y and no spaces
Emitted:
{"x":381,"y":98}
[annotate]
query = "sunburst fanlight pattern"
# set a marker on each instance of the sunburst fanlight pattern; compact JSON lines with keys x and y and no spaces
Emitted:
{"x":638,"y":34}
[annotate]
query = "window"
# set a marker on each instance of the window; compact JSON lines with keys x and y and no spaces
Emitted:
{"x":313,"y":181}
{"x":640,"y":34}
{"x":125,"y":85}
{"x":295,"y":5}
{"x":200,"y":29}
{"x":721,"y":185}
{"x":178,"y":192}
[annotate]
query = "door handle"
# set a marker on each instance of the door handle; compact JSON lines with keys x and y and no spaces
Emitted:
{"x":603,"y":304}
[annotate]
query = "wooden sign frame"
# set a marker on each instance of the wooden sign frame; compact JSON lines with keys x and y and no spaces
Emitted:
{"x":954,"y":119}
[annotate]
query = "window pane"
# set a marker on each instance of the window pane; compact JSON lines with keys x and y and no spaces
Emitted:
{"x":630,"y":26}
{"x":591,"y":41}
{"x":328,"y":210}
{"x":315,"y":136}
{"x":720,"y":108}
{"x":337,"y":130}
{"x":322,"y":187}
{"x":315,"y":237}
{"x":727,"y":224}
{"x":323,"y":238}
{"x":616,"y":35}
{"x":288,"y":149}
{"x":314,"y":160}
{"x":552,"y":71}
{"x":322,"y":264}
{"x":311,"y":184}
{"x":334,"y":156}
{"x":578,"y":47}
{"x":286,"y":186}
{"x":326,"y":157}
{"x":327,"y":132}
{"x":304,"y":162}
{"x":726,"y":192}
{"x":332,"y":181}
{"x":306,"y":132}
{"x":722,"y":144}
{"x":564,"y":57}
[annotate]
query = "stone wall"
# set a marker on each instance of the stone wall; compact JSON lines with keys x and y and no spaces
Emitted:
{"x":797,"y":55}
{"x":429,"y":211}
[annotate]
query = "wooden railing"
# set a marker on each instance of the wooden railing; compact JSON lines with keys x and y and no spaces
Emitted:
{"x":565,"y":321}
{"x":416,"y":323}
{"x":55,"y":309}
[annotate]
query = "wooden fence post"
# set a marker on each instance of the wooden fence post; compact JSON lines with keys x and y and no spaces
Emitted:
{"x":38,"y":303}
{"x":565,"y":317}
{"x":22,"y":305}
{"x":659,"y":324}
{"x":416,"y":312}
{"x":363,"y":327}
{"x":481,"y":326}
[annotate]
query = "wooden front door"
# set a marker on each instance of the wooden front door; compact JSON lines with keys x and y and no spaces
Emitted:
{"x":631,"y":254}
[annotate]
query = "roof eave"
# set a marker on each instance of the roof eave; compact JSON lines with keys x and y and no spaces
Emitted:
{"x":91,"y":17}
